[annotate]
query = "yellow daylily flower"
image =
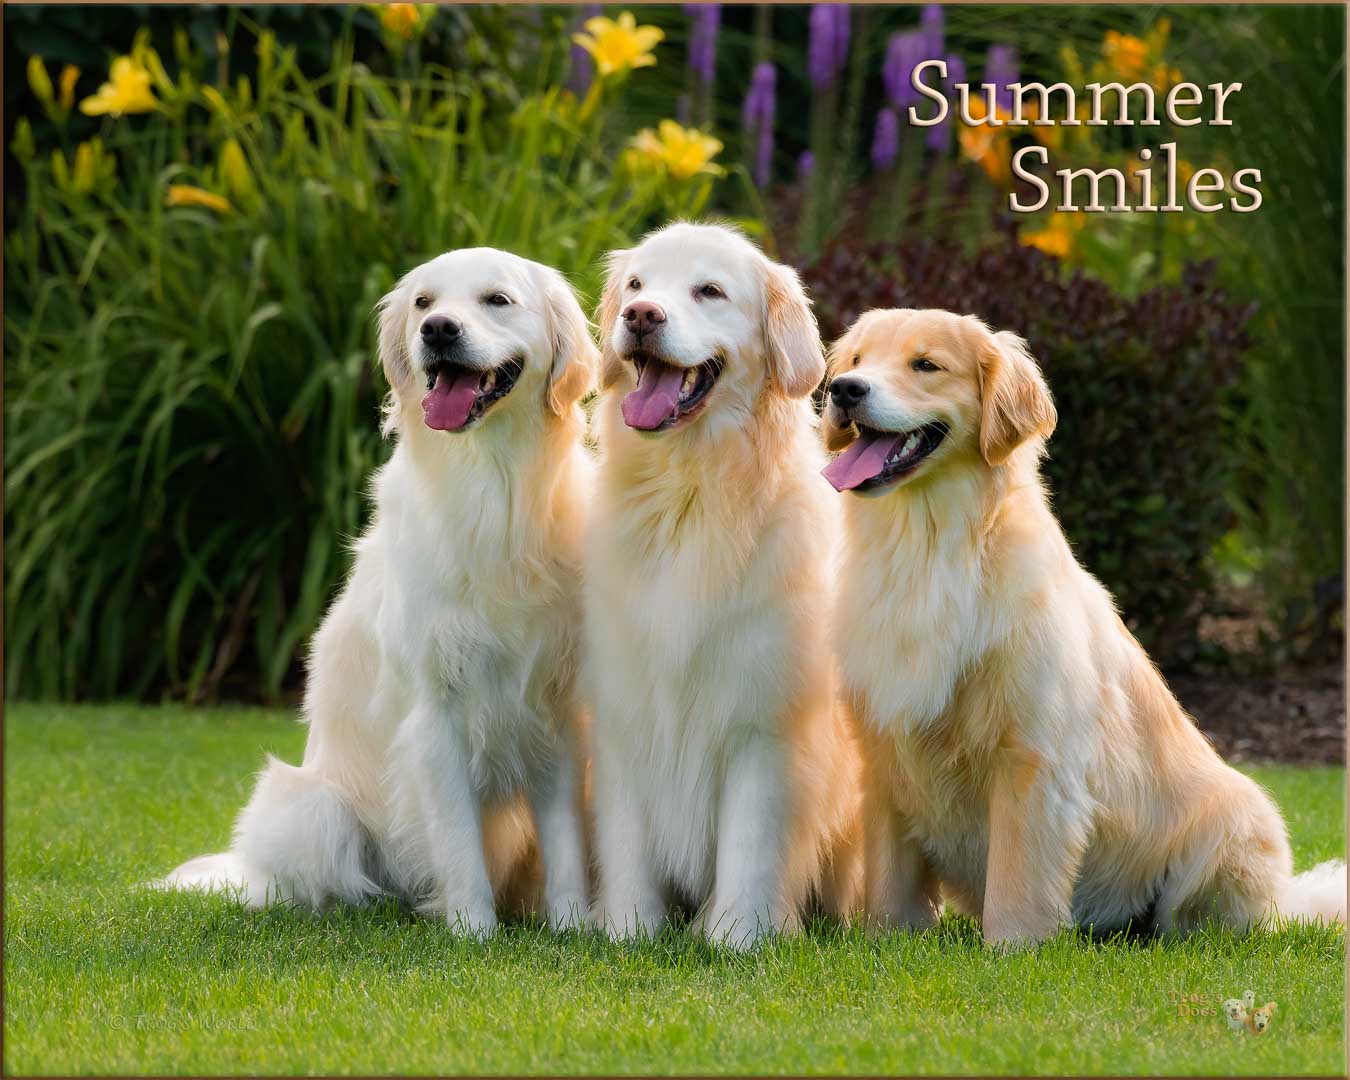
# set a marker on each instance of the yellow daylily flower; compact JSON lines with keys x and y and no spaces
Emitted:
{"x":187,"y":195}
{"x":39,"y":81}
{"x":70,"y":75}
{"x":688,"y":151}
{"x":1164,"y":78}
{"x":988,"y":146}
{"x":682,"y":152}
{"x":1058,"y":237}
{"x":400,"y":20}
{"x":1128,"y":55}
{"x":619,"y":44}
{"x":126,"y":91}
{"x":644,"y":151}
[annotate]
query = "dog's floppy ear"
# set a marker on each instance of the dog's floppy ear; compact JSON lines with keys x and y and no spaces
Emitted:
{"x":571,"y":374}
{"x":611,"y":367}
{"x":796,"y":361}
{"x":1016,"y":402}
{"x":391,"y":341}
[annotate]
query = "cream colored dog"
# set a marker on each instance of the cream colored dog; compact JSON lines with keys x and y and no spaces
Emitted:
{"x":442,"y":759}
{"x":723,"y":775}
{"x":1022,"y":751}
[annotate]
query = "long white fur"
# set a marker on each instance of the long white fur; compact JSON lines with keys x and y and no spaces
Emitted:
{"x":443,"y":759}
{"x":722,"y":773}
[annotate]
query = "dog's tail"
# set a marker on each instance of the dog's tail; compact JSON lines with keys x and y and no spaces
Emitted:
{"x":298,"y":840}
{"x":226,"y":872}
{"x":1316,"y":895}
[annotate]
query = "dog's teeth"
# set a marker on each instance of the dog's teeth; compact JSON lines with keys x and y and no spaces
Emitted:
{"x":910,"y":443}
{"x":489,"y":382}
{"x":690,"y":378}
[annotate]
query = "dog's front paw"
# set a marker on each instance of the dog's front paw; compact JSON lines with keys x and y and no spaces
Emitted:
{"x":472,"y":921}
{"x":629,"y":926}
{"x":743,"y":929}
{"x":567,"y":913}
{"x":1015,"y":938}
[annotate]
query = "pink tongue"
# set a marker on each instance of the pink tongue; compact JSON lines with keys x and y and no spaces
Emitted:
{"x":861,"y":461}
{"x":654,"y":401}
{"x":448,"y":404}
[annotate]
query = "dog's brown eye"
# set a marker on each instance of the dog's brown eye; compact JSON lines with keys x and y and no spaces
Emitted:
{"x":857,"y":360}
{"x":924,"y":364}
{"x":710,"y":292}
{"x":499,"y":299}
{"x":634,"y":283}
{"x":422,"y":302}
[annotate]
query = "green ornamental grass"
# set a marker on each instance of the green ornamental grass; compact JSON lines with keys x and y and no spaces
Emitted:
{"x":191,"y":395}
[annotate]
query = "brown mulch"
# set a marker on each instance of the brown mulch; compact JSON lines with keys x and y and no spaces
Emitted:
{"x":1296,"y":714}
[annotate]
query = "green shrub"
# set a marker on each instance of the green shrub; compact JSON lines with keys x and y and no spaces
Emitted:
{"x":1137,"y":465}
{"x":1290,"y":491}
{"x":191,"y":399}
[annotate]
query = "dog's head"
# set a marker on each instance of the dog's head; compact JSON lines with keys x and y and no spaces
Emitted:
{"x":1235,"y":1010}
{"x":696,"y":322}
{"x":910,"y":389}
{"x":475,"y":329}
{"x":1262,"y":1017}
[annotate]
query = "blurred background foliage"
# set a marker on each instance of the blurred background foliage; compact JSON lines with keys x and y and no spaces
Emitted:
{"x":204,"y":203}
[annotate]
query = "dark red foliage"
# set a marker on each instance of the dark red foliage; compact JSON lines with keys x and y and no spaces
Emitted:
{"x":1137,"y":466}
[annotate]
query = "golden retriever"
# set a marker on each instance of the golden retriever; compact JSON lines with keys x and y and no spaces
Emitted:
{"x":723,"y":776}
{"x":442,"y":761}
{"x":1022,"y":752}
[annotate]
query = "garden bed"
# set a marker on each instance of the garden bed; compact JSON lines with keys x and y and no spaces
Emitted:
{"x":1294,"y":714}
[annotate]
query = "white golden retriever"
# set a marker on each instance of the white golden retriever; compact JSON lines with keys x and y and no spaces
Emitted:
{"x":1022,"y":752}
{"x":723,"y":776}
{"x":442,"y":762}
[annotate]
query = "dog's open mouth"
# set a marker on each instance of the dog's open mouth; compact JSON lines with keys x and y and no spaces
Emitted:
{"x":457,"y":396}
{"x":667,"y":394}
{"x":877,"y":458}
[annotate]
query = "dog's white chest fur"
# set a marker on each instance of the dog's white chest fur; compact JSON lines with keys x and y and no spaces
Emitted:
{"x":687,"y":674}
{"x":467,"y":624}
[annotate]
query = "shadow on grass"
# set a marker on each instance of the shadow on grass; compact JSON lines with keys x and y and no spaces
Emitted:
{"x":390,"y":935}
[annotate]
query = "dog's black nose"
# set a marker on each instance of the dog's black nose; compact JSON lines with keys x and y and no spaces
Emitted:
{"x":440,"y":331}
{"x":847,"y":390}
{"x":642,"y":316}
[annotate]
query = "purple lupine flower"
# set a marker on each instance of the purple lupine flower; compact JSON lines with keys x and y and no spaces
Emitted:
{"x":706,"y":20}
{"x":822,"y":52}
{"x":841,"y":32}
{"x":581,"y":72}
{"x":759,"y":100}
{"x":764,"y":156}
{"x":940,"y":135}
{"x":757,"y":114}
{"x":931,"y":26}
{"x":886,"y":139}
{"x":806,"y":164}
{"x":904,"y":52}
{"x":1000,"y":68}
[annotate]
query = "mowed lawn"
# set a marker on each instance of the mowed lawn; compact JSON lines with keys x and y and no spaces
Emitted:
{"x":104,"y":977}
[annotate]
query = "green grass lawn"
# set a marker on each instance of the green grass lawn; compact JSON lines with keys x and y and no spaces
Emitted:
{"x":104,"y":977}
